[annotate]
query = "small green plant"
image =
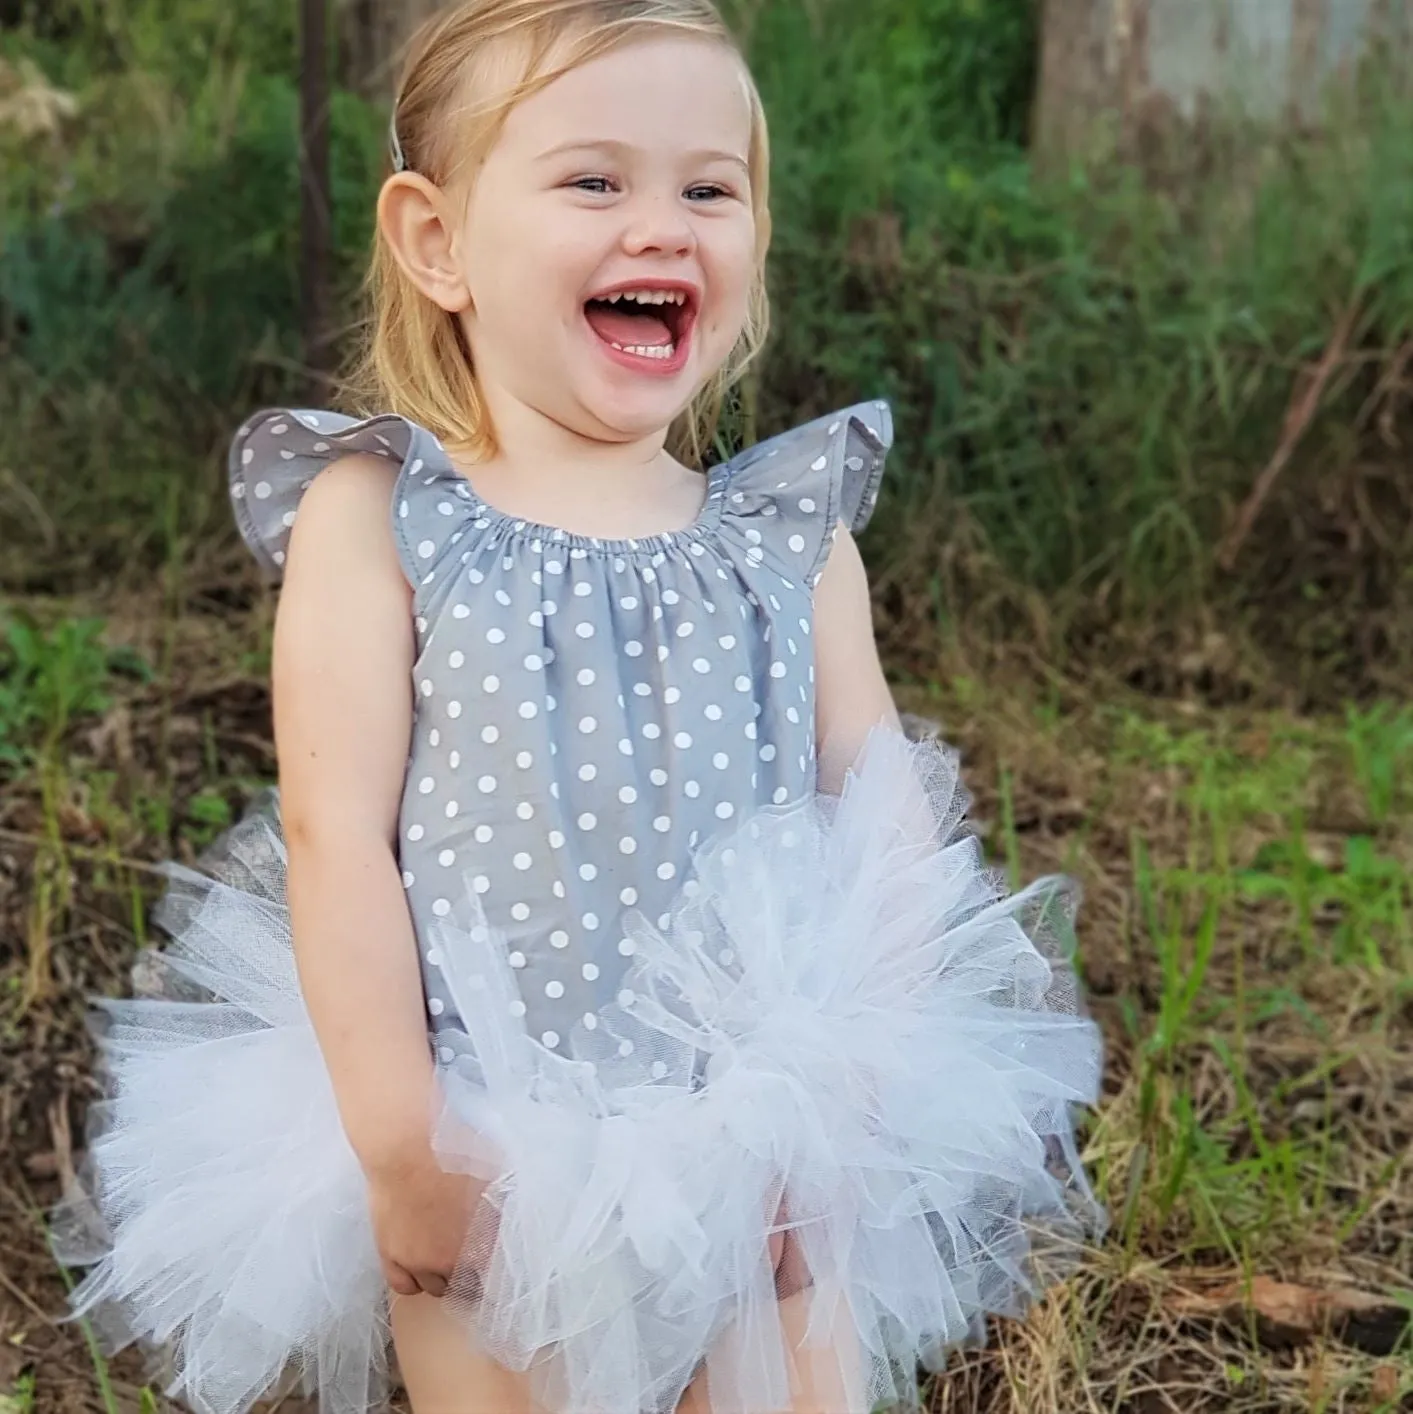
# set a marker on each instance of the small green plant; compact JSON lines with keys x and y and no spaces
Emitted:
{"x":208,"y":812}
{"x":1380,"y":741}
{"x":1364,"y":901}
{"x":50,"y":677}
{"x":21,"y":1398}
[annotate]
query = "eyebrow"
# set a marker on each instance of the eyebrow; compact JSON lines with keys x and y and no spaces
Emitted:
{"x":619,"y":149}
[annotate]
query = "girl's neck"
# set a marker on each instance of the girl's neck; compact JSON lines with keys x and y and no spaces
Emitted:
{"x":549,"y":475}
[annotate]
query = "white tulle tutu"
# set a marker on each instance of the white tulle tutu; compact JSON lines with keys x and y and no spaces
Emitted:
{"x":847,"y":1030}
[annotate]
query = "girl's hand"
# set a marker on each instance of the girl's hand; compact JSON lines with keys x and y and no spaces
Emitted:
{"x":421,"y":1216}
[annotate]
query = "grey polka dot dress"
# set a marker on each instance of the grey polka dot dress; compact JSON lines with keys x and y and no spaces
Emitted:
{"x":588,"y":711}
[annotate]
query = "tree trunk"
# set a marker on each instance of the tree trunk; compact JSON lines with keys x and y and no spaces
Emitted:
{"x":316,"y":202}
{"x":1134,"y":78}
{"x":374,"y":35}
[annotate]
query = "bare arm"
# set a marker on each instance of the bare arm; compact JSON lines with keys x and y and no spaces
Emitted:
{"x":343,"y":713}
{"x":851,"y":694}
{"x":343,"y":718}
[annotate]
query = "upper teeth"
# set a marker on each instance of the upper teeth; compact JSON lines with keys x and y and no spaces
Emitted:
{"x":649,"y":296}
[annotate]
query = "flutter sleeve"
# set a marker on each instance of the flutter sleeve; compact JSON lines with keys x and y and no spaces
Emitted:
{"x":276,"y":454}
{"x":787,"y":496}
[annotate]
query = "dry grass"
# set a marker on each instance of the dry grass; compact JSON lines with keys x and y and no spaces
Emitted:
{"x":1247,"y":942}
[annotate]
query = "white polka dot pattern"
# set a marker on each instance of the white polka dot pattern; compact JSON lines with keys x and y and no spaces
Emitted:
{"x":587,"y":710}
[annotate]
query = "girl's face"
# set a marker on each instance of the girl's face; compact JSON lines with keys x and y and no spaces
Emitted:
{"x":608,"y":246}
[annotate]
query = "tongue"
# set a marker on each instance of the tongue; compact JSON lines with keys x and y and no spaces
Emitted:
{"x":613,"y":325}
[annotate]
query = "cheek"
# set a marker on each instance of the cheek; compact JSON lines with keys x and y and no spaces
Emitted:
{"x":532,"y":268}
{"x":731,"y":269}
{"x":500,"y":245}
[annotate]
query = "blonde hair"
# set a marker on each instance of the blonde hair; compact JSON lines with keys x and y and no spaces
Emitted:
{"x":414,"y":358}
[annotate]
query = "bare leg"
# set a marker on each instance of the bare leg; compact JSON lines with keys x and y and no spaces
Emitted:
{"x":443,"y":1371}
{"x":825,"y":1378}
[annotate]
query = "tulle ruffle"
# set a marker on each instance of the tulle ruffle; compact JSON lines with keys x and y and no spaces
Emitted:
{"x":221,"y":1207}
{"x":847,"y":1030}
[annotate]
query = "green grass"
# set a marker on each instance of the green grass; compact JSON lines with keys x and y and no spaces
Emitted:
{"x":1346,"y":916}
{"x":101,"y":1377}
{"x":1257,"y":989}
{"x":1247,"y":943}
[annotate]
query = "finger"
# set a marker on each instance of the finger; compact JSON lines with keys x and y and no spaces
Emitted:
{"x":400,"y":1280}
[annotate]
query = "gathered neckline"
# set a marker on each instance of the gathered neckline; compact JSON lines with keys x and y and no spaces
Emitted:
{"x":707,"y":519}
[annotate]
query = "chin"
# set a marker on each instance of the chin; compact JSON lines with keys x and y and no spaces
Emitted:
{"x":629,"y":419}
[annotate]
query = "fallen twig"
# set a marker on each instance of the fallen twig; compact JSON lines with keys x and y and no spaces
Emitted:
{"x":1291,"y":1313}
{"x":28,"y":1302}
{"x":1304,"y":402}
{"x":83,"y":852}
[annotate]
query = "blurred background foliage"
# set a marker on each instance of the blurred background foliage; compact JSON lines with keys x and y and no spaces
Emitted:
{"x":1090,"y":369}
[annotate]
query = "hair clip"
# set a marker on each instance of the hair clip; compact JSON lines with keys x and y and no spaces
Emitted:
{"x":399,"y":161}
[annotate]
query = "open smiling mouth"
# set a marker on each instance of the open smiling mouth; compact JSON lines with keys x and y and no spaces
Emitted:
{"x":645,"y":327}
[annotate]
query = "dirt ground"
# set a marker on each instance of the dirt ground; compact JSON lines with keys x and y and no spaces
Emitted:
{"x":1260,"y":1256}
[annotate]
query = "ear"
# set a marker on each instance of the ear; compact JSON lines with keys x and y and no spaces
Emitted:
{"x":417,"y":221}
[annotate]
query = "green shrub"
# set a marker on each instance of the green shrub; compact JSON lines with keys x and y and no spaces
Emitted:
{"x":1089,"y":374}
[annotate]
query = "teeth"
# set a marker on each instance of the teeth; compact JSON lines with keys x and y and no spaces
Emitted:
{"x":649,"y":296}
{"x":657,"y":351}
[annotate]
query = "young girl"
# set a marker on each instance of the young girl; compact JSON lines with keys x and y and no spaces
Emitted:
{"x":744,"y":1076}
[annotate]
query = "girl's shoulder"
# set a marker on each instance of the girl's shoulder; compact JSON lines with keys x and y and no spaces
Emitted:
{"x":276,"y":454}
{"x":786,"y":497}
{"x":781,"y":500}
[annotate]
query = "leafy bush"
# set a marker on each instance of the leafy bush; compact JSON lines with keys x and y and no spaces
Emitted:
{"x":1089,"y":374}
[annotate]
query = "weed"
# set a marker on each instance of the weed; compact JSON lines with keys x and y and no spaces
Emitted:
{"x":20,"y":1399}
{"x":1381,"y":755}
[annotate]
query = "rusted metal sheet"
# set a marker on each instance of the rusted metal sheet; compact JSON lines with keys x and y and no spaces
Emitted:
{"x":1119,"y":73}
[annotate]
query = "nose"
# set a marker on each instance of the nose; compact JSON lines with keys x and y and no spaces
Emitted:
{"x":659,"y":226}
